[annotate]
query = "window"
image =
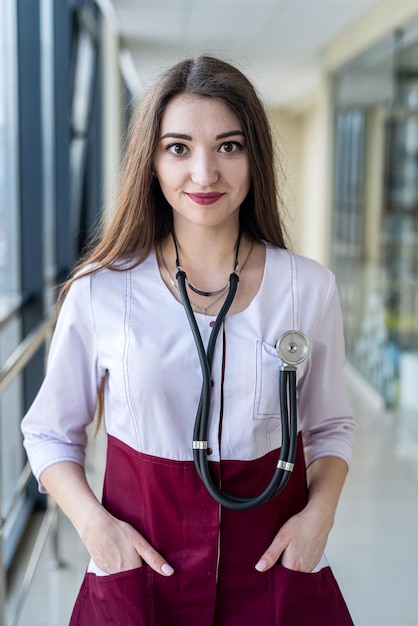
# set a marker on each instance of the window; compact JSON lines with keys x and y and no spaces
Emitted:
{"x":349,"y":171}
{"x":9,"y":253}
{"x":376,"y":213}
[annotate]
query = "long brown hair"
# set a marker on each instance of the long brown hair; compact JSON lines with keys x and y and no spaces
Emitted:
{"x":143,"y":217}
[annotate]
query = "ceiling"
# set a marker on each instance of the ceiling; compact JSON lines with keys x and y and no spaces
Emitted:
{"x":277,"y":43}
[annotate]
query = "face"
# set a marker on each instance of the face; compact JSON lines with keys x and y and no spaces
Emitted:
{"x":202,"y":162}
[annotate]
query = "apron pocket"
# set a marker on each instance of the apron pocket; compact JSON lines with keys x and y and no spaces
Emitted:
{"x":112,"y":600}
{"x":308,"y":598}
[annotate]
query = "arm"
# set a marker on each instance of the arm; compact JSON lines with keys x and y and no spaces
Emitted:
{"x":113,"y":545}
{"x":55,"y":438}
{"x":301,"y":541}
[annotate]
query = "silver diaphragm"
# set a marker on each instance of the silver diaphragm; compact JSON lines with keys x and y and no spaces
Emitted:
{"x":292,"y":347}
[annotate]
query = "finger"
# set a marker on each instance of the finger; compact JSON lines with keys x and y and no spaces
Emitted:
{"x":153,"y":558}
{"x":271,"y":555}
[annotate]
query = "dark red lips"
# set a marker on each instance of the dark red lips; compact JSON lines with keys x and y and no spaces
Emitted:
{"x":205,"y":198}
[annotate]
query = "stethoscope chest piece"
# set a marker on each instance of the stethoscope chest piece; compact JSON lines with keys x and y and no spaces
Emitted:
{"x":292,"y":348}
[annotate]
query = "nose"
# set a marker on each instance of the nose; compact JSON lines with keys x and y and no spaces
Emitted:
{"x":204,"y":169}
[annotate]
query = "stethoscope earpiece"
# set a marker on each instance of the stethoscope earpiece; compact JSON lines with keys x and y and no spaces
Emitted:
{"x":292,"y":347}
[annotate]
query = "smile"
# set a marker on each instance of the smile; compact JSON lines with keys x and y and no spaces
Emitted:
{"x":205,"y":198}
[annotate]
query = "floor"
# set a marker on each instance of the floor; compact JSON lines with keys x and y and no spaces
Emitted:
{"x":373,"y":547}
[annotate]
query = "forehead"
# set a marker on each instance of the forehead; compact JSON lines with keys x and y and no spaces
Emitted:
{"x":188,"y":113}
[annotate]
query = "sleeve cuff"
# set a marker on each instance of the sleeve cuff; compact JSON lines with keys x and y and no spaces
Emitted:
{"x":49,"y":453}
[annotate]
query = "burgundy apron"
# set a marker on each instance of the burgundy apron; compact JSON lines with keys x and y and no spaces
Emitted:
{"x":213,"y":550}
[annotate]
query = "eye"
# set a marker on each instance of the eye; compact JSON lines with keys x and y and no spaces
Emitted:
{"x":229,"y":147}
{"x":178,"y":149}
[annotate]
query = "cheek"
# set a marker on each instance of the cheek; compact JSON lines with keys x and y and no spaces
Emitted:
{"x":165,"y":177}
{"x":168,"y":174}
{"x":238,"y":174}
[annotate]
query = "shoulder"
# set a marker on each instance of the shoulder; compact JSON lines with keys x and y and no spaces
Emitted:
{"x":95,"y":276}
{"x":90,"y":284}
{"x":307,"y":271}
{"x":311,"y":285}
{"x":102,"y":285}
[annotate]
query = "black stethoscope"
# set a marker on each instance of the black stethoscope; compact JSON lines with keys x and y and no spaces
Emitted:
{"x":292,"y":348}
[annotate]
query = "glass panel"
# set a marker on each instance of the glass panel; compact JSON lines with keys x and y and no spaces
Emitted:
{"x":48,"y":151}
{"x":376,"y":197}
{"x":83,"y":89}
{"x":8,"y":153}
{"x":368,"y":81}
{"x":348,"y":187}
{"x":11,"y":450}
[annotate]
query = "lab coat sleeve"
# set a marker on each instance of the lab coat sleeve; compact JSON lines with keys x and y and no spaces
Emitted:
{"x":54,"y":428}
{"x":326,"y":418}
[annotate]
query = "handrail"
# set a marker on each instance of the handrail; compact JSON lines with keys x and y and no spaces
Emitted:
{"x":16,"y":362}
{"x":22,"y":483}
{"x":25,"y":351}
{"x":13,"y":310}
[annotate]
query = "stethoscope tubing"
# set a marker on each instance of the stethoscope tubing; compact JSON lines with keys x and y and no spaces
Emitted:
{"x":287,"y":401}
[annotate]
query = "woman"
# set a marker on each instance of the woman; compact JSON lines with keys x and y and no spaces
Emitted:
{"x":198,"y":203}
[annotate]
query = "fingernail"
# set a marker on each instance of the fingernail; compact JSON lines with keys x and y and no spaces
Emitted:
{"x":261,"y":565}
{"x":167,"y":570}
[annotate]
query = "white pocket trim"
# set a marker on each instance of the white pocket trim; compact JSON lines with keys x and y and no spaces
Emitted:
{"x":93,"y":569}
{"x":322,"y":563}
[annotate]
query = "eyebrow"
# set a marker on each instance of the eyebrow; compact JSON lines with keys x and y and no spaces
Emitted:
{"x":229,"y":133}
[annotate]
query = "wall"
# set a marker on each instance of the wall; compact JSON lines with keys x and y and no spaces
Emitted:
{"x":304,"y":146}
{"x":287,"y":136}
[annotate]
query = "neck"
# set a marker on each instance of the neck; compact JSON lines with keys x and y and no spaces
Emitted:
{"x":178,"y":252}
{"x":207,"y":259}
{"x":205,"y":250}
{"x":199,"y":291}
{"x":208,"y":265}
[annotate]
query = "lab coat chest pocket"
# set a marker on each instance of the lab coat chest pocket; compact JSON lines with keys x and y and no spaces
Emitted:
{"x":266,"y":395}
